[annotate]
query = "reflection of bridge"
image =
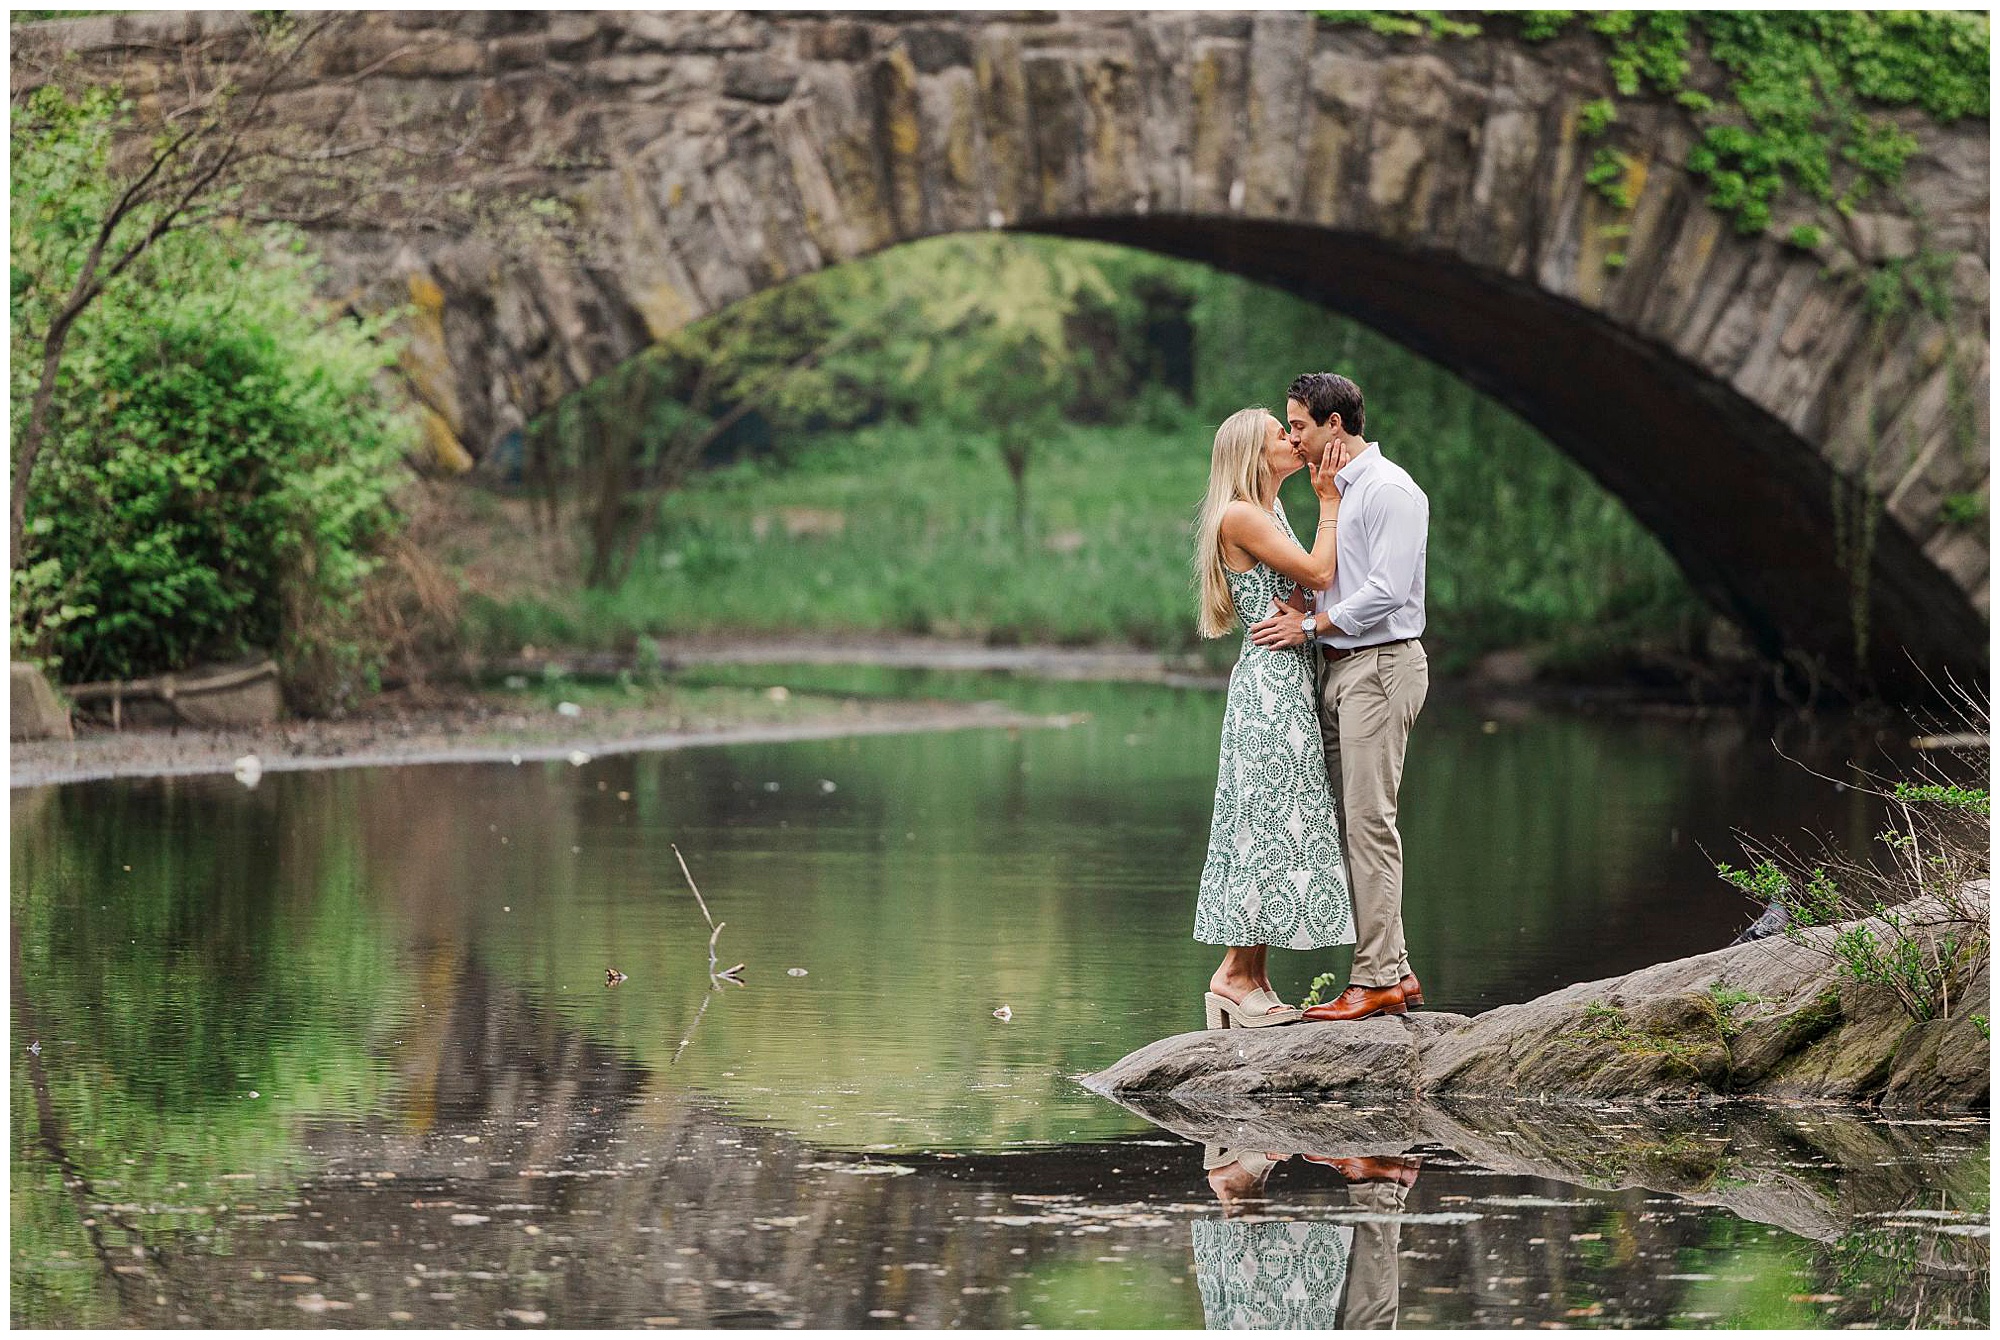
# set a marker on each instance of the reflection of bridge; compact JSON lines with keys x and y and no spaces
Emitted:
{"x":1722,"y":386}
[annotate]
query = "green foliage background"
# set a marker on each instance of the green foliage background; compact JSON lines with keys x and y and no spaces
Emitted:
{"x":222,"y":450}
{"x":878,"y":495}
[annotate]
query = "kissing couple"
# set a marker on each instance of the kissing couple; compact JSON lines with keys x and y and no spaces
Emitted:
{"x":1303,"y":850}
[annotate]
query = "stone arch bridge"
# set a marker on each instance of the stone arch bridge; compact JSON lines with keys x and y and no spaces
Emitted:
{"x":1730,"y":390}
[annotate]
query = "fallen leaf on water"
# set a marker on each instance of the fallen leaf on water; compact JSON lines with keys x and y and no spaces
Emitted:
{"x":612,"y":977}
{"x":1004,"y":1013}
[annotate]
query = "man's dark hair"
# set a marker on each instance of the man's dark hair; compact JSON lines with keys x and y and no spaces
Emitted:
{"x":1325,"y":394}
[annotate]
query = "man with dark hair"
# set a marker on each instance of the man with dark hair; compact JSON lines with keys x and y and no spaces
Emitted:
{"x":1373,"y":676}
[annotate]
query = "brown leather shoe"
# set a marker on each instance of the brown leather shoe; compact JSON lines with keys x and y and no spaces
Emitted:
{"x":1359,"y":1002}
{"x":1375,"y":1169}
{"x":1413,"y":992}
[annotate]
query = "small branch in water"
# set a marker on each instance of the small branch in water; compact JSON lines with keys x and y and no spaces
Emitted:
{"x":697,"y":892}
{"x":714,"y":929}
{"x":715,"y":978}
{"x":688,"y":1036}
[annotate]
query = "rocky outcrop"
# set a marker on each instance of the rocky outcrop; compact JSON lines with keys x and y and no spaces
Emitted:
{"x":1436,"y":190}
{"x":1770,"y":1019}
{"x":1370,"y":1056}
{"x":1811,"y":1171}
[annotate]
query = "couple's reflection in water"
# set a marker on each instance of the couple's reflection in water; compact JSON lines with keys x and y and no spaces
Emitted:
{"x":1295,"y":1274}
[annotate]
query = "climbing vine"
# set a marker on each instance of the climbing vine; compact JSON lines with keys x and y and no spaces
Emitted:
{"x":1791,"y":100}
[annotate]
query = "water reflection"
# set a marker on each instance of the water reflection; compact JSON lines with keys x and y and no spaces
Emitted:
{"x":1541,"y":1214}
{"x":525,"y":1173}
{"x":1298,"y":1274}
{"x":340,"y":1050}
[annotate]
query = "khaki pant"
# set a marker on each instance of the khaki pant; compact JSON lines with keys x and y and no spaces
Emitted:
{"x":1367,"y":703}
{"x":1374,"y":1270}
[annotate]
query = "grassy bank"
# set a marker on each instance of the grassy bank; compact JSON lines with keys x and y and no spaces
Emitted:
{"x":876,"y":495}
{"x":895,"y":528}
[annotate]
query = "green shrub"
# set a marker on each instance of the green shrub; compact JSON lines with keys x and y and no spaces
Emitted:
{"x":221,"y":452}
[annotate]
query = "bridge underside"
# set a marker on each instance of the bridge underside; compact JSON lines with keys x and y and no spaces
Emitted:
{"x":1746,"y":507}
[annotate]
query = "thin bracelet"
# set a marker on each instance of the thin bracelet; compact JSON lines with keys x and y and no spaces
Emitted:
{"x":1330,"y":521}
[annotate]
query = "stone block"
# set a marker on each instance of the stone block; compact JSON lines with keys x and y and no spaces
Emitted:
{"x":756,"y":80}
{"x":934,"y":50}
{"x":837,"y":41}
{"x":527,"y":51}
{"x":34,"y":712}
{"x":1883,"y":237}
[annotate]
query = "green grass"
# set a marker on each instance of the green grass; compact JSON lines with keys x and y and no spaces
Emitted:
{"x":901,"y":529}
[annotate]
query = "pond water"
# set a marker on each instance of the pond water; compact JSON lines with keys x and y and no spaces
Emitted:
{"x":340,"y":1049}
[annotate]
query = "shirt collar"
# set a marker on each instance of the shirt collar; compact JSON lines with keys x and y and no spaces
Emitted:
{"x":1358,"y":467}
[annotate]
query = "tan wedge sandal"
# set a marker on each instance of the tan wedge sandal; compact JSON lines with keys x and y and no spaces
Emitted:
{"x":1255,"y":1162}
{"x":1254,"y":1012}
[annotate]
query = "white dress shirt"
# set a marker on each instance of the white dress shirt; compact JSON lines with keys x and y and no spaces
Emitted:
{"x":1378,"y":583}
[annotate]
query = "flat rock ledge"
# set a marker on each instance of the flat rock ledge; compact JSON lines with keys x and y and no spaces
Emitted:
{"x":1769,"y":1019}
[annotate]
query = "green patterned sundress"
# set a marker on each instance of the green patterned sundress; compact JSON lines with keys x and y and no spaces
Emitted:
{"x":1275,"y":873}
{"x":1272,"y":1275}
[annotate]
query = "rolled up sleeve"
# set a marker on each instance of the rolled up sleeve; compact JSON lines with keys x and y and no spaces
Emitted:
{"x":1396,"y":527}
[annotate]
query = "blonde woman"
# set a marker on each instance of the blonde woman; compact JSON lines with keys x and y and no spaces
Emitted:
{"x":1274,"y":874}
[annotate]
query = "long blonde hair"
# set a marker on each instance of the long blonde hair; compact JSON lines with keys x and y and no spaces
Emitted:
{"x":1236,"y":470}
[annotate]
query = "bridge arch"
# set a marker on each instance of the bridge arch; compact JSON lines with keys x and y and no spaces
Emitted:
{"x":1730,"y":390}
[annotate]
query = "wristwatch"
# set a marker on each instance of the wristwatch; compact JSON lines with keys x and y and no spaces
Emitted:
{"x":1308,"y":624}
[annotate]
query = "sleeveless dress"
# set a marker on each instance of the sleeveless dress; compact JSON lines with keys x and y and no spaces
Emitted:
{"x":1272,"y":1275}
{"x":1275,"y":870}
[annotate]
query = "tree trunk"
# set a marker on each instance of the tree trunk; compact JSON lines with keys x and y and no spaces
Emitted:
{"x":1017,"y":453}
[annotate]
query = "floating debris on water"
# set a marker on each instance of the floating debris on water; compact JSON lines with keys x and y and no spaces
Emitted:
{"x":826,"y":787}
{"x":612,"y":977}
{"x":248,"y":769}
{"x":1004,"y":1013}
{"x":795,"y":972}
{"x":578,"y":758}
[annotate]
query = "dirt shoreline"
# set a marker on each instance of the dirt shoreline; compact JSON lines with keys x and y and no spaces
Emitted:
{"x":448,"y":720}
{"x":426,"y":726}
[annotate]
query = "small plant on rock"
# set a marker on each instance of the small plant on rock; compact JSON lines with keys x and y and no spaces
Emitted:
{"x":1912,"y":917}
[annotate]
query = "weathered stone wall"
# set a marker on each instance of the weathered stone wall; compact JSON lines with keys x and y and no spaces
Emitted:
{"x":1722,"y":386}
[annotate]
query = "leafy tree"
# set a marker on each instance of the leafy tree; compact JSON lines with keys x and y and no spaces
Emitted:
{"x":216,"y":450}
